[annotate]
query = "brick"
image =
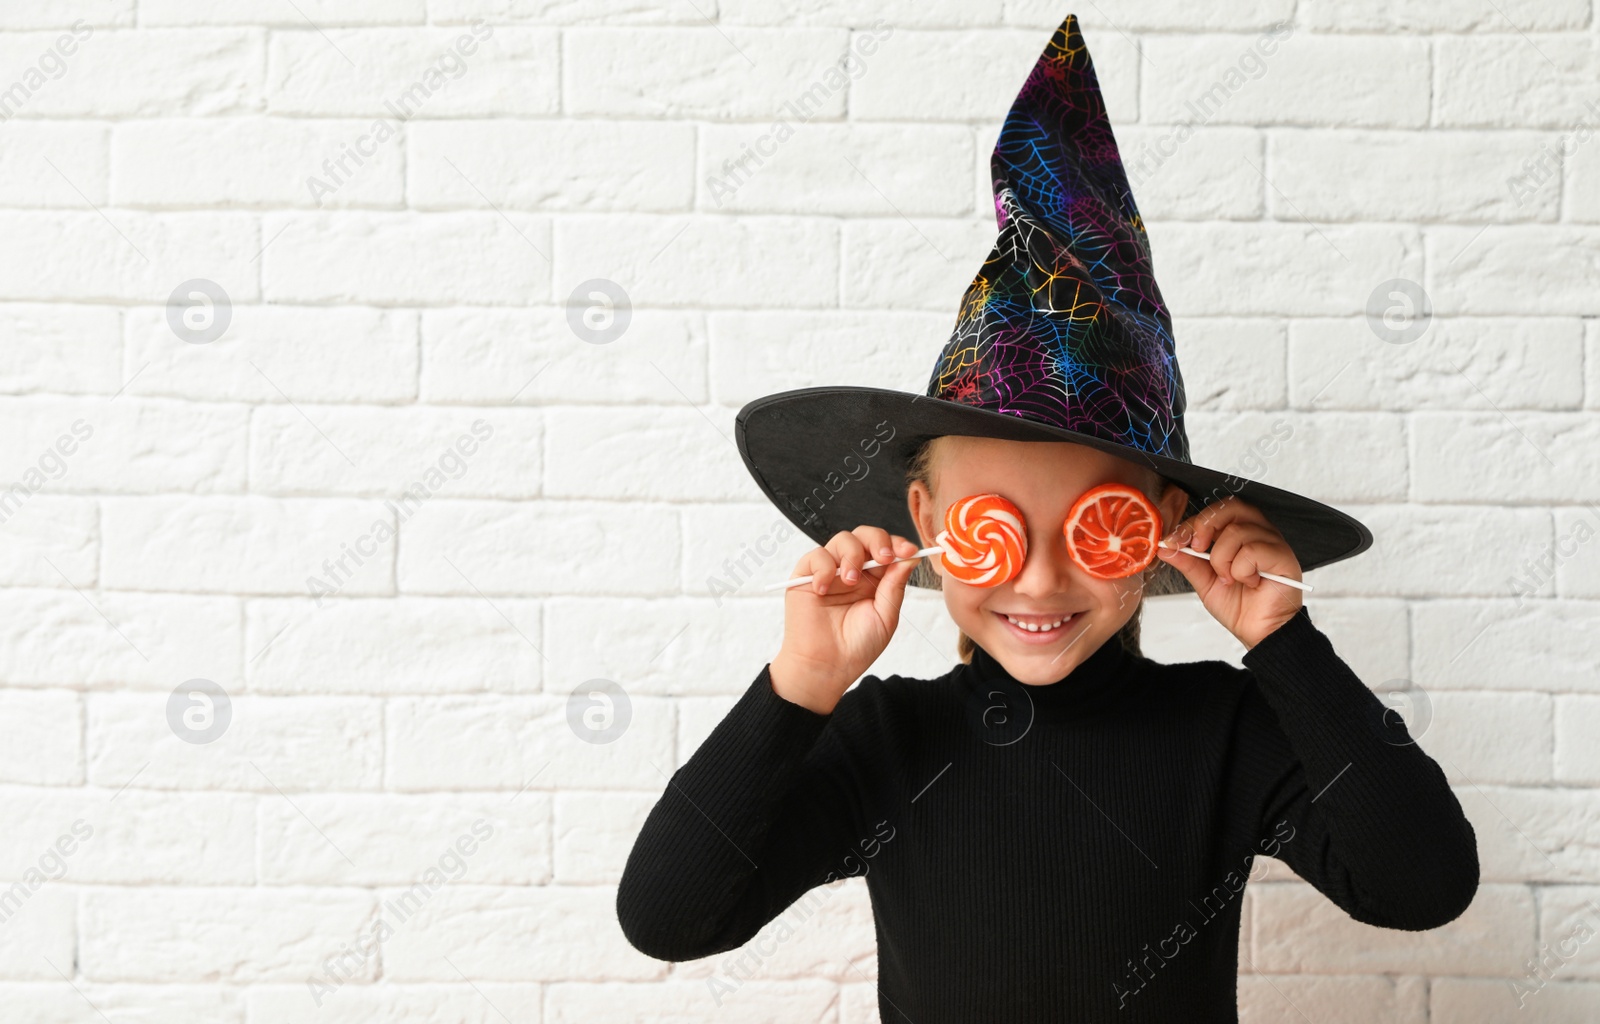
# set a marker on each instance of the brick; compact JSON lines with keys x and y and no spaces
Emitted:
{"x":395,"y":74}
{"x":1528,"y":457}
{"x":1577,"y":556}
{"x":950,"y":76}
{"x":272,"y":354}
{"x":1591,"y":364}
{"x":703,"y":261}
{"x":59,"y":348}
{"x":1192,"y":174}
{"x":1516,"y":363}
{"x":1512,"y":269}
{"x":1417,"y":551}
{"x":615,"y":453}
{"x":1347,"y":999}
{"x":233,"y":935}
{"x":126,"y":256}
{"x":321,"y":13}
{"x":571,"y":12}
{"x":48,"y":731}
{"x":481,"y":258}
{"x":761,"y":352}
{"x":1532,"y":834}
{"x":894,"y":264}
{"x":1577,"y":757}
{"x":129,"y":445}
{"x":381,"y":647}
{"x":849,"y":170}
{"x":1306,"y":454}
{"x":1232,"y":364}
{"x":79,"y":153}
{"x":255,"y":162}
{"x":569,"y":934}
{"x":1296,"y":78}
{"x":1158,"y":16}
{"x":58,"y":637}
{"x":1299,"y":931}
{"x":148,"y":73}
{"x":273,"y":745}
{"x":132,"y":837}
{"x":1279,"y":269}
{"x":863,"y":13}
{"x":53,"y":1001}
{"x":1419,"y":16}
{"x":1581,"y":166}
{"x":1466,"y":644}
{"x":41,"y":931}
{"x":1403,"y":175}
{"x":675,"y":647}
{"x":511,"y":548}
{"x":1481,"y":1001}
{"x":463,"y":1002}
{"x":597,"y":166}
{"x":1501,"y":81}
{"x":69,"y":12}
{"x":494,"y":742}
{"x":465,"y":358}
{"x":389,"y":839}
{"x":594,"y":833}
{"x":251,"y":544}
{"x":1569,"y":916}
{"x":55,"y":542}
{"x":1488,"y":737}
{"x":706,"y":73}
{"x":461,"y":452}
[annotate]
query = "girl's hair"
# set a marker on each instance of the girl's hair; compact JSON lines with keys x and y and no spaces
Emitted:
{"x":1158,"y":578}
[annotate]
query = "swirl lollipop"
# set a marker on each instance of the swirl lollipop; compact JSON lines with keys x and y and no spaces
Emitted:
{"x":984,"y":540}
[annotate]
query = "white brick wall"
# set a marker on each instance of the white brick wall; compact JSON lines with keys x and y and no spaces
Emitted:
{"x":420,"y":290}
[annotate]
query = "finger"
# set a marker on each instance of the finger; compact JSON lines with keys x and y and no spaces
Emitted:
{"x":851,"y":553}
{"x":1195,"y":569}
{"x":1228,"y":542}
{"x":876,"y":541}
{"x":1200,"y":529}
{"x":892,"y":587}
{"x":819,"y":564}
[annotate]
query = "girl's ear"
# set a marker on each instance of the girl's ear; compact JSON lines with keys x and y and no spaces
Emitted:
{"x":920,"y":503}
{"x":1174,"y":500}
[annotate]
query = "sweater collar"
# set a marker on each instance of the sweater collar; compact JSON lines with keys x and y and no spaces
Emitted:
{"x":1092,"y":685}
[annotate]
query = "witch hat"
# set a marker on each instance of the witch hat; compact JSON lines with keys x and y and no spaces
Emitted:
{"x":1063,"y":336}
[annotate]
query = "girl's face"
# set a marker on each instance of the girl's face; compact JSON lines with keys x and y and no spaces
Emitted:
{"x":1043,"y":479}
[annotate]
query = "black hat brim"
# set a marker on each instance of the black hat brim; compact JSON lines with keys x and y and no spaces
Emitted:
{"x":835,"y":458}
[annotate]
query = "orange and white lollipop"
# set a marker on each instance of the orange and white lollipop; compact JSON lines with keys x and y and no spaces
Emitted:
{"x":984,"y":540}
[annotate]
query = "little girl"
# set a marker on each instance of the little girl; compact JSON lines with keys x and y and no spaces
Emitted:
{"x":1059,"y":828}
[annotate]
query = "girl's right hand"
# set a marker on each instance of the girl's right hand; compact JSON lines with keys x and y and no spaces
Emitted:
{"x":835,"y":627}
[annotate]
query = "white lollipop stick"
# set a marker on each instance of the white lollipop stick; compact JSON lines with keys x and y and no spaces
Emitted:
{"x":1264,"y":575}
{"x":867,"y":565}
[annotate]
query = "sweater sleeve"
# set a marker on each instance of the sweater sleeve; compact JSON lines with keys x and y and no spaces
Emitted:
{"x":762,"y":812}
{"x":1375,"y":825}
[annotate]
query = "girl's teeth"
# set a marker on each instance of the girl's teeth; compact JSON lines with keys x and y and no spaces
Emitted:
{"x":1034,"y":627}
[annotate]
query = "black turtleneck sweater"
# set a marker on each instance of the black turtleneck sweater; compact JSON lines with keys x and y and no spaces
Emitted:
{"x":1069,"y":852}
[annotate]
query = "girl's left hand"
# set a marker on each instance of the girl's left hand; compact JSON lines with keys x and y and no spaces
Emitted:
{"x":1242,"y":544}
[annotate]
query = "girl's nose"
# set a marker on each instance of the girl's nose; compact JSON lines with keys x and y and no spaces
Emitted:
{"x":1046,"y":569}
